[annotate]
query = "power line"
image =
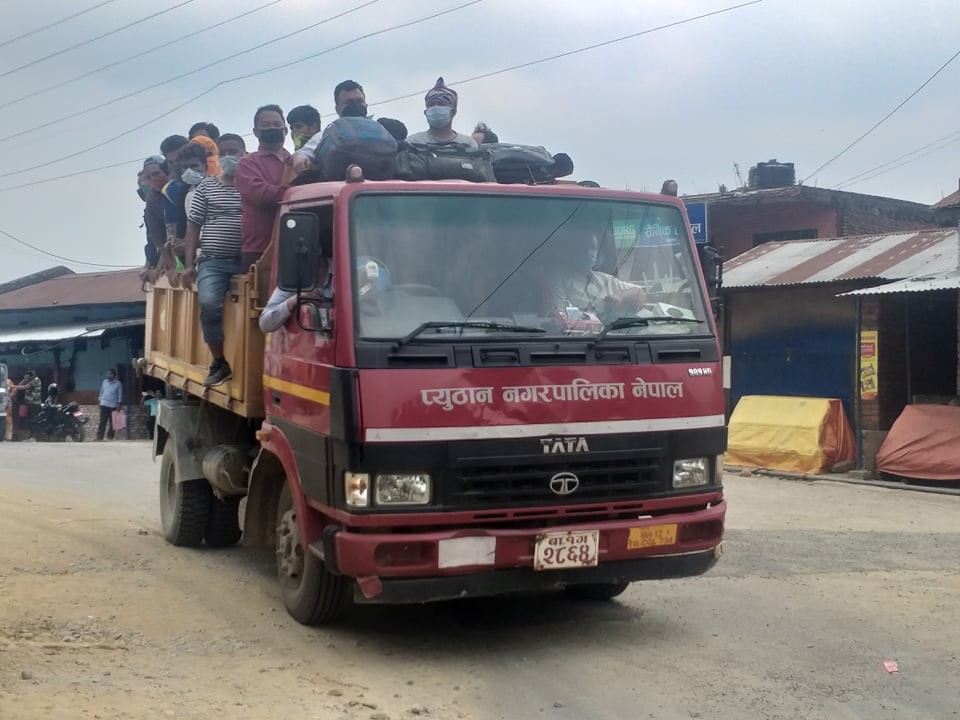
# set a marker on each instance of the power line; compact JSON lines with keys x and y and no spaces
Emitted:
{"x":885,"y":117}
{"x":383,"y":102}
{"x":575,"y":52}
{"x":55,"y":23}
{"x":856,"y":177}
{"x":61,"y":257}
{"x":940,"y":147}
{"x":120,"y":98}
{"x":190,"y":100}
{"x":95,"y":39}
{"x":139,"y":54}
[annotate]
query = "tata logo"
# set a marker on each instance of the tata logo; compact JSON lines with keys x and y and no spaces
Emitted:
{"x":556,"y":446}
{"x":564,"y":483}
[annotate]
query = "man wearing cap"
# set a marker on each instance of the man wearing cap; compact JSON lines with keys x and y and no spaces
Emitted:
{"x":153,"y":220}
{"x":441,"y":103}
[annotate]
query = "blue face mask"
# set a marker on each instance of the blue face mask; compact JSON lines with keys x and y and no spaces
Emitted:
{"x":439,"y":116}
{"x":191,"y":176}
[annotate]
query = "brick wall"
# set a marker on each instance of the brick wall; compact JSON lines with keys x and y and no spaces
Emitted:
{"x":136,"y":420}
{"x":868,"y":215}
{"x":733,"y":226}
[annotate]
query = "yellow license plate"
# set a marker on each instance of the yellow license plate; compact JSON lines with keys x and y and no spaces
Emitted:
{"x":651,"y":536}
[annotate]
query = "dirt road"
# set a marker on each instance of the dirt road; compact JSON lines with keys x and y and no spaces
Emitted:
{"x":819,"y":585}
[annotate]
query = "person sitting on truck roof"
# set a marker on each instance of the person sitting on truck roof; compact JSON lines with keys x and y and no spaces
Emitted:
{"x":441,"y":108}
{"x":575,"y":283}
{"x":204,"y":129}
{"x":212,"y":255}
{"x":213,"y":154}
{"x":260,"y":182}
{"x":484,"y":135}
{"x":351,"y":101}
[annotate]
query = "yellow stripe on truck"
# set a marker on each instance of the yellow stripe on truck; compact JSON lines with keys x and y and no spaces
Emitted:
{"x":300,"y":391}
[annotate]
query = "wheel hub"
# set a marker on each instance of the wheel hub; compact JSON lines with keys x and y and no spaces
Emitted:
{"x":289,"y":550}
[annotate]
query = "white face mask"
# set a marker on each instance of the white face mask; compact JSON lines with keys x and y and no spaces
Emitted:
{"x":191,"y":176}
{"x":228,"y":164}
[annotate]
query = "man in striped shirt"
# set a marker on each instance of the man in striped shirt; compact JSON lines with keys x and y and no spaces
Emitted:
{"x":213,"y":245}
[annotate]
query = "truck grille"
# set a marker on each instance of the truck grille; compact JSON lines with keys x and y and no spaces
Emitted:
{"x":526,"y":480}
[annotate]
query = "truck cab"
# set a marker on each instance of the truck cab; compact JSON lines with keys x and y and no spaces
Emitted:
{"x":481,"y":389}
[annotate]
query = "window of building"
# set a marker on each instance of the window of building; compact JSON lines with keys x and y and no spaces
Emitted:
{"x":765,"y":237}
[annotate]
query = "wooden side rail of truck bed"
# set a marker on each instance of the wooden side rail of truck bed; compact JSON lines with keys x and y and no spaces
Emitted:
{"x":175,"y":353}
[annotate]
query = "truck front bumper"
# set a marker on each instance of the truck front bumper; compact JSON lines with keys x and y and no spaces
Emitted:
{"x":414,"y":567}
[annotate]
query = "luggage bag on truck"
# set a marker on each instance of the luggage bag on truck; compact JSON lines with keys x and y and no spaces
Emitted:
{"x":452,"y":161}
{"x":357,"y":141}
{"x":526,"y":164}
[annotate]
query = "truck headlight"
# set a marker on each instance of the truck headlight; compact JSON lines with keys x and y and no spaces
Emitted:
{"x":691,"y":473}
{"x":403,"y":489}
{"x":356,"y":488}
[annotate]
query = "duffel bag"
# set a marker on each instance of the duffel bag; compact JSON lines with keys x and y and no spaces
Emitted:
{"x":451,"y":161}
{"x":521,"y":163}
{"x":356,"y":141}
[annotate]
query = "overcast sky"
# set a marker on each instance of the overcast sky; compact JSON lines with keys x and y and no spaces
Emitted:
{"x":795,"y":80}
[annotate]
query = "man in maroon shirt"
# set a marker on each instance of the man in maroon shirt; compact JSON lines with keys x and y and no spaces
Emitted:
{"x":259,"y":181}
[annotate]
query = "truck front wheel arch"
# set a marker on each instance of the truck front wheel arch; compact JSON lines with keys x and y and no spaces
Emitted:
{"x":267,"y":477}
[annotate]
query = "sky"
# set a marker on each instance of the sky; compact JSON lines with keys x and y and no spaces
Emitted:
{"x":795,"y":80}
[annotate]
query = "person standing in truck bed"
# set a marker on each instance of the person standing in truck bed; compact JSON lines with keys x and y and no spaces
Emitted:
{"x":259,"y":180}
{"x":212,"y":254}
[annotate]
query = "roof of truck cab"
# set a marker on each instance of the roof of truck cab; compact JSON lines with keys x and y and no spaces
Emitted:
{"x":317,"y":191}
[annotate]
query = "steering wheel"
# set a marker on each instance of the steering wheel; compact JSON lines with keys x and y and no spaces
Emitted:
{"x":373,"y":304}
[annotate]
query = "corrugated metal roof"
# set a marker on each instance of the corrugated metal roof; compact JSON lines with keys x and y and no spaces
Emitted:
{"x":951,"y":200}
{"x":891,"y":257}
{"x":47,"y":334}
{"x":924,"y":283}
{"x":103,"y":288}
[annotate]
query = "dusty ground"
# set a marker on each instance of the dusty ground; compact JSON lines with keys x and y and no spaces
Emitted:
{"x":819,"y":585}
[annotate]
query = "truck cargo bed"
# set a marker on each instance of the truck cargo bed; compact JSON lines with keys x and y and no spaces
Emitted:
{"x":176,"y":353}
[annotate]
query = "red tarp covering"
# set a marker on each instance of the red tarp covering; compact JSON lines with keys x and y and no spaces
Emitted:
{"x":924,"y":443}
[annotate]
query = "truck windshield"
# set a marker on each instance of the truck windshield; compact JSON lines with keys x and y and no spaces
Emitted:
{"x":472,"y":264}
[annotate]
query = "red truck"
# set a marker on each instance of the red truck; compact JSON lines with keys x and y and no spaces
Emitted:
{"x":500,"y":389}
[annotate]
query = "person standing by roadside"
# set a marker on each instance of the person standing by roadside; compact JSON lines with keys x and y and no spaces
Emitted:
{"x":259,"y":180}
{"x":32,"y":398}
{"x":152,"y":400}
{"x":111,"y":399}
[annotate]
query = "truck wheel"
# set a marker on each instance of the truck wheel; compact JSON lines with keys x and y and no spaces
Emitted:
{"x":223,"y":523}
{"x":597,"y":591}
{"x":184,"y":506}
{"x":311,"y":594}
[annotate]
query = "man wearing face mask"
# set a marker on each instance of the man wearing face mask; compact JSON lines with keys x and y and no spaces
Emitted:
{"x":260,"y":182}
{"x":441,"y":103}
{"x":351,"y":101}
{"x":574,"y":283}
{"x":212,"y":253}
{"x":304,"y":122}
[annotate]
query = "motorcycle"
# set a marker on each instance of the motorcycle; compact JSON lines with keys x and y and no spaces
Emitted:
{"x":59,"y":422}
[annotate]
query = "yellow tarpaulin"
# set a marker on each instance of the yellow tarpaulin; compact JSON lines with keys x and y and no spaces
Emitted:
{"x":796,"y":434}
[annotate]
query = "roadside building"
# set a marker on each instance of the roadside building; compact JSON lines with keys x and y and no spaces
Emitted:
{"x":773,"y":208}
{"x":70,"y":328}
{"x":947,"y":211}
{"x":871,"y":320}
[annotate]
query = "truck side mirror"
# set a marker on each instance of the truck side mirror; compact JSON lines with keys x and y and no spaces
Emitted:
{"x":298,"y":256}
{"x":712,"y":263}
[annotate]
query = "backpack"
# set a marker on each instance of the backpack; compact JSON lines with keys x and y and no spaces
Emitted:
{"x":451,"y":161}
{"x":521,"y":163}
{"x":356,"y":141}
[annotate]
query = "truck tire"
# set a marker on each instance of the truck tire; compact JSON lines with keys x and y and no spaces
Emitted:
{"x":311,"y":594}
{"x":223,"y":522}
{"x":597,"y":591}
{"x":184,"y":506}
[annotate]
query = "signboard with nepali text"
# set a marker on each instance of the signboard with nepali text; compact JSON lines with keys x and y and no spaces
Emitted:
{"x":697,"y":212}
{"x":869,"y":364}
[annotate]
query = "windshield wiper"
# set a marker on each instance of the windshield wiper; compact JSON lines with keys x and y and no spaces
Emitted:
{"x":439,"y":324}
{"x":623,"y":323}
